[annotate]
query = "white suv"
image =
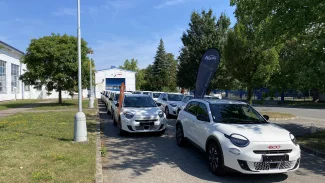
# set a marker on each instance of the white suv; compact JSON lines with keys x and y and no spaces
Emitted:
{"x":139,"y":113}
{"x":236,"y":137}
{"x":168,"y":102}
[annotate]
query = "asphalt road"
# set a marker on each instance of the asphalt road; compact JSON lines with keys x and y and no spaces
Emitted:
{"x":149,"y":158}
{"x":302,"y":113}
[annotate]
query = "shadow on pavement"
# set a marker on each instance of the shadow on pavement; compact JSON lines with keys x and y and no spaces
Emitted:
{"x":142,"y":152}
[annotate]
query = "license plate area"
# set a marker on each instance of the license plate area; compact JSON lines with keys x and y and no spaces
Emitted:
{"x":146,"y":123}
{"x":275,"y":158}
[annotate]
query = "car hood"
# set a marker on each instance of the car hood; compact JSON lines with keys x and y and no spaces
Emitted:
{"x":143,"y":113}
{"x":256,"y":132}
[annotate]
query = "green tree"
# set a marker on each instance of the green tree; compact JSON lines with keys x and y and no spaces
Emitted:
{"x":133,"y":66}
{"x":204,"y":32}
{"x":130,"y":65}
{"x":247,"y":60}
{"x":282,"y":21}
{"x":172,"y":72}
{"x":52,"y":61}
{"x":160,"y":68}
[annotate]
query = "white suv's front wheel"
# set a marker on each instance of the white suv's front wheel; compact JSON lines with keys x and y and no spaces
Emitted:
{"x":215,"y":159}
{"x":180,"y":135}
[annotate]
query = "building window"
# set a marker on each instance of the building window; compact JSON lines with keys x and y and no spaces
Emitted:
{"x":27,"y":87}
{"x":2,"y":76}
{"x":14,"y":78}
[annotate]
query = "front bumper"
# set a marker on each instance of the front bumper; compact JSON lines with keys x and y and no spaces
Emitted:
{"x":250,"y":159}
{"x":140,"y":125}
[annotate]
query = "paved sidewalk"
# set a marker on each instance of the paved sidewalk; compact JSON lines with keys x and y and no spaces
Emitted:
{"x":9,"y":112}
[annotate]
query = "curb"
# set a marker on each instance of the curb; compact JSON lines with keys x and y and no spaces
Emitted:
{"x":99,"y":170}
{"x":312,"y":151}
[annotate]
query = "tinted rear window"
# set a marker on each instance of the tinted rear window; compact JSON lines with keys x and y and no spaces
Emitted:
{"x":156,"y":95}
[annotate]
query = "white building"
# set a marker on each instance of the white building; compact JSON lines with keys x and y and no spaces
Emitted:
{"x":111,"y":79}
{"x":10,"y":70}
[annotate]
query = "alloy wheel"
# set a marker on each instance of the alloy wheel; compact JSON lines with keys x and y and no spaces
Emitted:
{"x":213,"y":158}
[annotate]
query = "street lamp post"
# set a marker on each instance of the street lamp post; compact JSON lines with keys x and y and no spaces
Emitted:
{"x":91,"y":96}
{"x":80,"y":127}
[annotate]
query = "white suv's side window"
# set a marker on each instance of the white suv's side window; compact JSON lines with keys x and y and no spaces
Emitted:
{"x":191,"y":108}
{"x":203,"y":111}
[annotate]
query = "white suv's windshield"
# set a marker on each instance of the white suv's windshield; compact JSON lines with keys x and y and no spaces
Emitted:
{"x":235,"y":113}
{"x":139,"y":101}
{"x":175,"y":97}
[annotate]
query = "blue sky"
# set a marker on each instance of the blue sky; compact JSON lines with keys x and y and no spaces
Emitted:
{"x":115,"y":29}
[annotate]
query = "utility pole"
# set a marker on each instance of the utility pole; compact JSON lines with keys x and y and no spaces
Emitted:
{"x":91,"y":96}
{"x":80,"y":127}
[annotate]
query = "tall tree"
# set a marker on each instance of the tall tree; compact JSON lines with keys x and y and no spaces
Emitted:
{"x":172,"y":72}
{"x":247,"y":60}
{"x":52,"y":61}
{"x":160,"y":68}
{"x":204,"y":32}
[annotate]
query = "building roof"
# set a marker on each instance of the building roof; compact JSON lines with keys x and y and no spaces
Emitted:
{"x":115,"y":68}
{"x":11,"y":47}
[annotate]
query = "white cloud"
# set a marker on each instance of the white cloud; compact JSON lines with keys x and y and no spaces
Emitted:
{"x":118,"y":5}
{"x":171,"y":3}
{"x":66,"y":12}
{"x":114,"y":52}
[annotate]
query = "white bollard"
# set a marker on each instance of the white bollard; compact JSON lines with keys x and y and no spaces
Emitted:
{"x":80,"y":130}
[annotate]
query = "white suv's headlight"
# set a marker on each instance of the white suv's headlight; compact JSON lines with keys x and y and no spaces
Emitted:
{"x":128,"y":115}
{"x":161,"y":114}
{"x":173,"y":105}
{"x":293,"y":139}
{"x":238,"y":140}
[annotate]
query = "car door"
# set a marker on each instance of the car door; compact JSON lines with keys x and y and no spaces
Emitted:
{"x":189,"y":119}
{"x":200,"y":125}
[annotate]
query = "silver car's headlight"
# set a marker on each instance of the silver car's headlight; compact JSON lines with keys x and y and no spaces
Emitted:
{"x":173,"y":105}
{"x":238,"y":140}
{"x":128,"y":115}
{"x":161,"y":114}
{"x":293,"y":139}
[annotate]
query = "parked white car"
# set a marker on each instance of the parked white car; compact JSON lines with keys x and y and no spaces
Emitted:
{"x":139,"y":113}
{"x":155,"y":95}
{"x":236,"y":137}
{"x":169,"y":102}
{"x":114,"y":100}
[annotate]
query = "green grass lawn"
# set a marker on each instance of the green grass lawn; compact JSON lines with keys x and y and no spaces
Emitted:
{"x":315,"y":141}
{"x":67,"y":104}
{"x":37,"y":147}
{"x":17,"y":103}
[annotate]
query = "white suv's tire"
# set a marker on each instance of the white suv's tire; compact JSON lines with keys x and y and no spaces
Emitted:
{"x":180,"y":139}
{"x":215,"y":159}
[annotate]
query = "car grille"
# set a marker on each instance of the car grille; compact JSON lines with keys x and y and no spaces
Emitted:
{"x":264,"y":166}
{"x":148,"y":127}
{"x":284,"y":151}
